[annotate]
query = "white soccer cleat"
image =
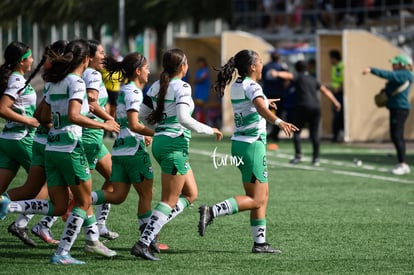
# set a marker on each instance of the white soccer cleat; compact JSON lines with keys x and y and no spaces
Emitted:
{"x":99,"y":249}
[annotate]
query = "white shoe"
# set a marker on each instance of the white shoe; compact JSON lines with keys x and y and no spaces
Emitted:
{"x":401,"y":169}
{"x":99,"y":249}
{"x":44,"y":234}
{"x":110,"y":235}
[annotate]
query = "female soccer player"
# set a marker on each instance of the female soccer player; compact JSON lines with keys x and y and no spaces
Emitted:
{"x":17,"y":106}
{"x":98,"y":155}
{"x":251,"y":110}
{"x":173,"y":105}
{"x":131,"y":163}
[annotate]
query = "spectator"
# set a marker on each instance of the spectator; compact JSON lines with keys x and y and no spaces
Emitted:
{"x":294,"y":10}
{"x":309,"y":14}
{"x":398,"y":86}
{"x":326,"y":15}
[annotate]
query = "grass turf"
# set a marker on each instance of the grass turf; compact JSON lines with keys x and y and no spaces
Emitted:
{"x":338,"y":218}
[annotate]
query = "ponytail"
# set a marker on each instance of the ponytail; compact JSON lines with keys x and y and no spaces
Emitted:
{"x":156,"y":115}
{"x":114,"y":67}
{"x":224,"y":76}
{"x":171,"y":63}
{"x":242,"y":62}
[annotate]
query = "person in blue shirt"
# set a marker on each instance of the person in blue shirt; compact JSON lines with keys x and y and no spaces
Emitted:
{"x":397,"y":88}
{"x":201,"y":89}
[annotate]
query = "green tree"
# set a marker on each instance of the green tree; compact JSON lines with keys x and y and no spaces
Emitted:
{"x":38,"y":11}
{"x":139,"y":14}
{"x":157,"y":14}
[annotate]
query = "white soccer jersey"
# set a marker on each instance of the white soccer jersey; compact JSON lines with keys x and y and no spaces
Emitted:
{"x":41,"y":132}
{"x":64,"y":135}
{"x":128,"y":142}
{"x":24,"y":104}
{"x":249,"y":125}
{"x":179,"y":92}
{"x":93,"y":80}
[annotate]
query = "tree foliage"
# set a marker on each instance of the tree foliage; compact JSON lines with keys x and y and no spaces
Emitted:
{"x":139,"y":14}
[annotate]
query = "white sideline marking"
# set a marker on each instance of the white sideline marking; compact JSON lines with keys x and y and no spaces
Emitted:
{"x":322,"y":169}
{"x":335,"y":162}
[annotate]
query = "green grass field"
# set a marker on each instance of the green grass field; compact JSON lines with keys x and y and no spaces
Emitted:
{"x":338,"y":218}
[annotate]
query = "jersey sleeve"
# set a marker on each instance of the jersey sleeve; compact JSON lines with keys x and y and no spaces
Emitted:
{"x":93,"y":80}
{"x":15,"y":83}
{"x":133,"y":101}
{"x":77,"y":90}
{"x":185,"y":119}
{"x":183,"y":95}
{"x":254,"y":90}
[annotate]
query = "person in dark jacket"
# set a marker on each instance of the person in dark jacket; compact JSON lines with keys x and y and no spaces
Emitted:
{"x":275,"y":88}
{"x":307,"y":107}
